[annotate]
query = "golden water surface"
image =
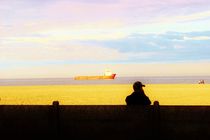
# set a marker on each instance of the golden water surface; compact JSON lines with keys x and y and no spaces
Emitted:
{"x":166,"y":94}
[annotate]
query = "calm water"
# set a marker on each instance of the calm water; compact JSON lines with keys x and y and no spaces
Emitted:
{"x":117,"y":80}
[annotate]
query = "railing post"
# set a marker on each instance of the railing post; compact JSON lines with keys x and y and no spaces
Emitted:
{"x":56,"y":118}
{"x":156,"y":120}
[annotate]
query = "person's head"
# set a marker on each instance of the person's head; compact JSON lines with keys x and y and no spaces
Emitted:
{"x":137,"y":86}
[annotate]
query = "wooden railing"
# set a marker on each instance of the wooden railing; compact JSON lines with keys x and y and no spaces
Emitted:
{"x":104,"y":122}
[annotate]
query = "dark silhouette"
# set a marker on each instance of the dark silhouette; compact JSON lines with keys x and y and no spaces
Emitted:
{"x":201,"y":82}
{"x":138,"y":97}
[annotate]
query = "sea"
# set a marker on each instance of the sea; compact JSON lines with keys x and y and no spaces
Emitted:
{"x":117,"y":80}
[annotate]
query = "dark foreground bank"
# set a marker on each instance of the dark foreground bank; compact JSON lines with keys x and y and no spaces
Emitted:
{"x":104,"y":122}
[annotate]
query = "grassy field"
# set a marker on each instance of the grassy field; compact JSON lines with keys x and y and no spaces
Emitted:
{"x":166,"y":94}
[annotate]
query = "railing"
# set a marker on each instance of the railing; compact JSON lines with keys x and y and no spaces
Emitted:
{"x":104,"y":122}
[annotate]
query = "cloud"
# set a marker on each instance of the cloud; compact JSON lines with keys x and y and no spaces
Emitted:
{"x":132,"y":69}
{"x":170,"y":46}
{"x":118,"y":30}
{"x":71,"y":53}
{"x":98,"y":20}
{"x":184,"y":18}
{"x":179,"y":47}
{"x":197,"y":38}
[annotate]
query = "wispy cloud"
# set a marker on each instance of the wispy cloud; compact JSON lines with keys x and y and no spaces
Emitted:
{"x":71,"y":53}
{"x":197,"y":38}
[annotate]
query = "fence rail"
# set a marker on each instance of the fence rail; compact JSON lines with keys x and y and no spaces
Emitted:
{"x":104,"y":122}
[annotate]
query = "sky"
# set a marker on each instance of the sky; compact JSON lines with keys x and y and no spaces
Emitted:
{"x":63,"y":38}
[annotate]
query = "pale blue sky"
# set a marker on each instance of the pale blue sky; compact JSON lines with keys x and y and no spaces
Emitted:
{"x":39,"y":35}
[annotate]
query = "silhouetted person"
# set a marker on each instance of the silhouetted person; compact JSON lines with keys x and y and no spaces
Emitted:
{"x":138,"y":97}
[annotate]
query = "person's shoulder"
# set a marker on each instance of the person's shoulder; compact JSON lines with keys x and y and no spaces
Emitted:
{"x":147,"y":100}
{"x":129,"y":96}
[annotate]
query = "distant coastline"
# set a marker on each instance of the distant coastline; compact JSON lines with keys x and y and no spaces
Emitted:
{"x":117,"y":80}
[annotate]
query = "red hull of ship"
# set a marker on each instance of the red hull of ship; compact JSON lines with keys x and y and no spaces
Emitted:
{"x":94,"y":77}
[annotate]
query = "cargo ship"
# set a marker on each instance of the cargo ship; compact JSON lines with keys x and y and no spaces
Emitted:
{"x":107,"y":75}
